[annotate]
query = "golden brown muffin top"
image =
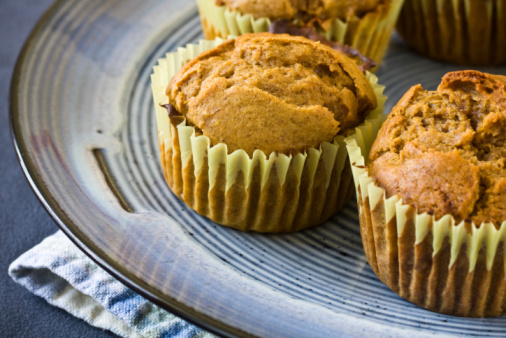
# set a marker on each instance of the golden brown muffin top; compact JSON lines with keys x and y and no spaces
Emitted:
{"x":271,"y":92}
{"x":444,"y":151}
{"x":291,"y":9}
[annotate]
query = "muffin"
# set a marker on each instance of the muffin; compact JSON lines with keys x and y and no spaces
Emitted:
{"x":363,"y":24}
{"x":432,"y":196}
{"x":467,"y":32}
{"x":254,"y":133}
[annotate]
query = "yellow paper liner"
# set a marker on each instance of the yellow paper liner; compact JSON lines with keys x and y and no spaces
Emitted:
{"x":275,"y":193}
{"x":455,"y":269}
{"x":468,"y":32}
{"x":369,"y":34}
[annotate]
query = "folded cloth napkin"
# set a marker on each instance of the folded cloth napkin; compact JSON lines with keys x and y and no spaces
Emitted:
{"x":59,"y":272}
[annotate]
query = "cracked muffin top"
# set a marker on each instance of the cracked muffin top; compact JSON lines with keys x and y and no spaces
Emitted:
{"x":272,"y":92}
{"x":290,"y":9}
{"x":444,"y":151}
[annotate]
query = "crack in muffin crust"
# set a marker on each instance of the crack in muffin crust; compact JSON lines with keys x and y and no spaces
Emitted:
{"x":272,"y":92}
{"x":444,"y":151}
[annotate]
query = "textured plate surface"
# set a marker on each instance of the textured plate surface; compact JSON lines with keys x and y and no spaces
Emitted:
{"x":83,"y":123}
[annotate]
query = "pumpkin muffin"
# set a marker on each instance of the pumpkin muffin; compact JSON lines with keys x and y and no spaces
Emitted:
{"x":254,"y":138}
{"x":303,"y":10}
{"x":433,"y":196}
{"x":365,"y":25}
{"x":466,"y":32}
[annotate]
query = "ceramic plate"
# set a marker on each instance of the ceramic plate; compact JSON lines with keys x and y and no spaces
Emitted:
{"x":84,"y":127}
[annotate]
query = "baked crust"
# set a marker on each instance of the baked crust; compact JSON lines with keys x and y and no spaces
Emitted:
{"x":444,"y":151}
{"x":289,"y":9}
{"x":272,"y":92}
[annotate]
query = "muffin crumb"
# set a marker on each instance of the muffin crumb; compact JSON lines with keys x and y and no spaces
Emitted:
{"x":272,"y":92}
{"x":444,"y":151}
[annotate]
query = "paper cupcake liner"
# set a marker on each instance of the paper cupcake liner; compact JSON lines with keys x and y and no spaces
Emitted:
{"x":275,"y":193}
{"x":369,"y":34}
{"x":441,"y":265}
{"x":468,"y":32}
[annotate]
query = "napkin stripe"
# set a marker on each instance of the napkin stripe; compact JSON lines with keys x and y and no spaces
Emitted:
{"x":59,"y":272}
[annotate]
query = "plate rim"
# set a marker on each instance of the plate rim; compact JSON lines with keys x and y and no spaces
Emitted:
{"x":69,"y":228}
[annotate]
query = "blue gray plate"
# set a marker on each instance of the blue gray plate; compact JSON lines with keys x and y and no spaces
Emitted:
{"x":83,"y":124}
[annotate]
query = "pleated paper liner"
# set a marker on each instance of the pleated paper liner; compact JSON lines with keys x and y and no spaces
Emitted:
{"x":275,"y":193}
{"x":369,"y":34}
{"x":455,"y":269}
{"x":468,"y":32}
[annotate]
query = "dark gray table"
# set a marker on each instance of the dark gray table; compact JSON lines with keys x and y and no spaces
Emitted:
{"x":23,"y":220}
